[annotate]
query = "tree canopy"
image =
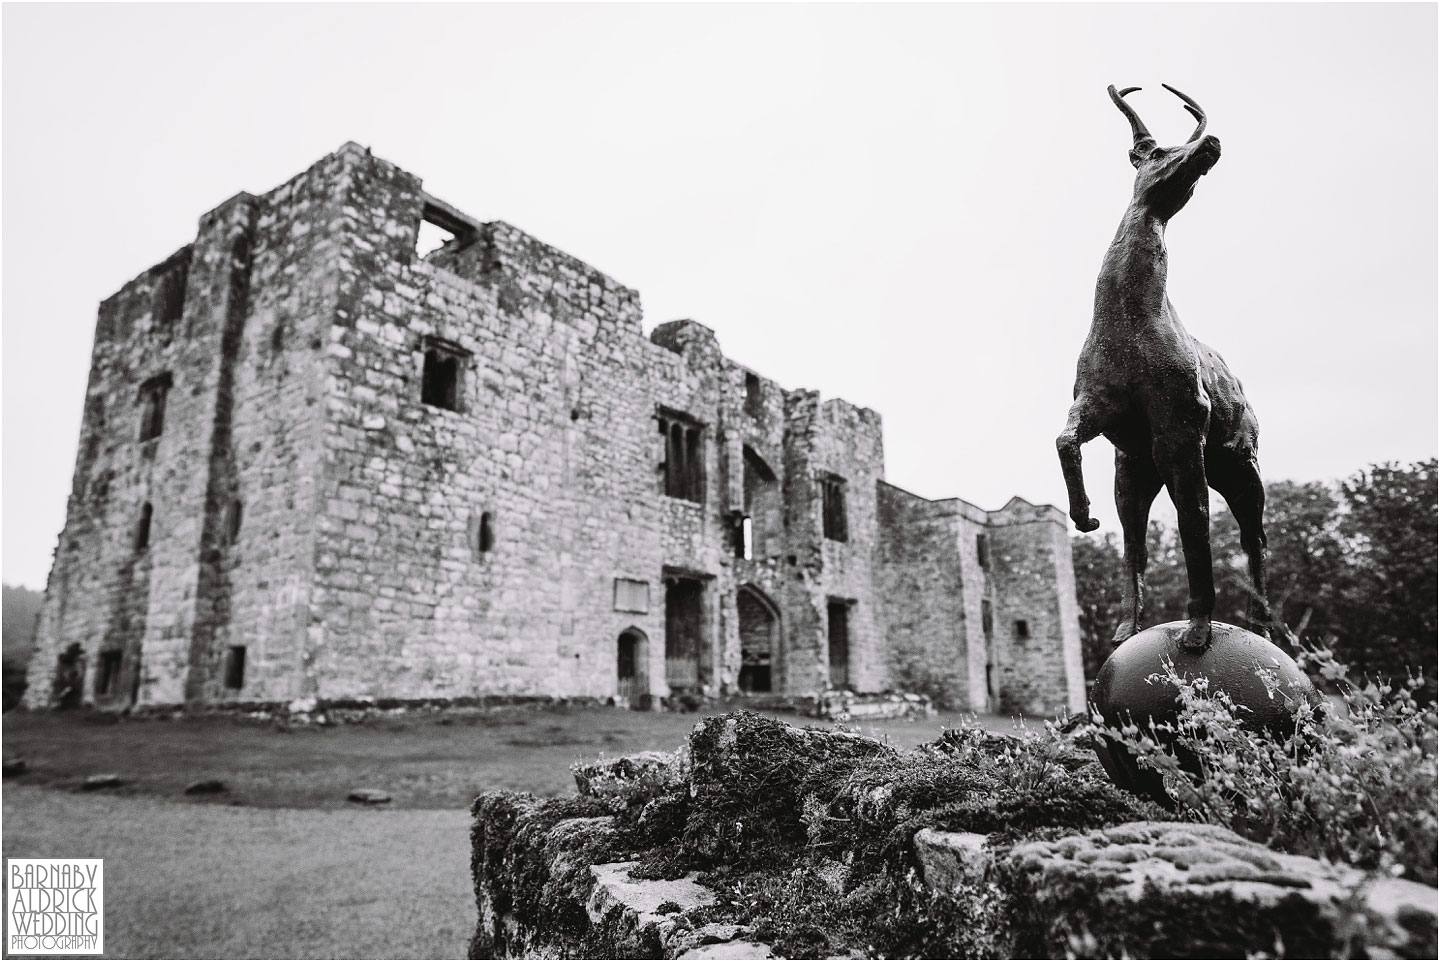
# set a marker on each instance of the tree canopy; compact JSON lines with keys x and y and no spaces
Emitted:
{"x":1352,"y":566}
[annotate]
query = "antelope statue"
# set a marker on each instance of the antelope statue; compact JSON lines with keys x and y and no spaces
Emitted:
{"x":1173,"y":410}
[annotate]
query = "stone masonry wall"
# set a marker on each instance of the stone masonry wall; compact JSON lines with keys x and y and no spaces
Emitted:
{"x":922,"y":592}
{"x":1035,"y":583}
{"x":314,"y":514}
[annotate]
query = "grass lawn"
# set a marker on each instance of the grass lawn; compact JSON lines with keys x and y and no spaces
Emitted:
{"x":280,"y":866}
{"x":422,"y":760}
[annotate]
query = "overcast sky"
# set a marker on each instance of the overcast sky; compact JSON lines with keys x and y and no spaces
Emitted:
{"x":902,"y":206}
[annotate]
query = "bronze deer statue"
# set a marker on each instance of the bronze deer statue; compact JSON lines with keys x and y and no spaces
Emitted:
{"x":1173,"y":410}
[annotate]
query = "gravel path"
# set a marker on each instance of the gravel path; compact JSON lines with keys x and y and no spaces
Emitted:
{"x":220,"y":881}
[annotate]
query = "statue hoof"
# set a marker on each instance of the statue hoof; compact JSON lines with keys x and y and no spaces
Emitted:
{"x":1086,"y":524}
{"x":1124,"y":633}
{"x":1197,"y":636}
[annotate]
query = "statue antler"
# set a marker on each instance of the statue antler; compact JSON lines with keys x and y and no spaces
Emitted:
{"x":1194,"y":109}
{"x":1137,"y":126}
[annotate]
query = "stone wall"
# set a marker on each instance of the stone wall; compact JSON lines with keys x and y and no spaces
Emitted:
{"x":343,"y":528}
{"x":760,"y":840}
{"x":1037,"y":624}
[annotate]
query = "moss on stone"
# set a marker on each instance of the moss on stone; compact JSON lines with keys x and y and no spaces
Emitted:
{"x":745,"y":778}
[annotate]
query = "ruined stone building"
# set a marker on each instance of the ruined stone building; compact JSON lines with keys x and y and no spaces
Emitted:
{"x":317,"y":465}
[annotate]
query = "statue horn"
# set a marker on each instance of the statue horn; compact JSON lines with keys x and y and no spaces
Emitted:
{"x":1195,"y":112}
{"x":1137,"y":126}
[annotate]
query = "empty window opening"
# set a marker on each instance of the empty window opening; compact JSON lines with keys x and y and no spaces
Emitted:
{"x":487,"y":532}
{"x":107,"y":675}
{"x":832,"y":493}
{"x":744,"y":538}
{"x":982,"y":549}
{"x":754,"y":397}
{"x":431,"y":237}
{"x":237,"y":510}
{"x":152,"y":406}
{"x":987,"y":617}
{"x":1022,"y":630}
{"x":684,"y":622}
{"x":442,"y":378}
{"x":142,"y":527}
{"x":235,"y":667}
{"x":170,"y":294}
{"x":839,"y":636}
{"x":277,"y":339}
{"x":442,"y":374}
{"x":439,"y":225}
{"x":684,"y":457}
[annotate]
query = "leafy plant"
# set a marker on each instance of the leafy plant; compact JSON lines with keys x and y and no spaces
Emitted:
{"x":1354,"y":783}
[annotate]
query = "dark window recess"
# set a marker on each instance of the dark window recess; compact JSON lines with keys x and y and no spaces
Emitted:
{"x":1022,"y":629}
{"x":233,"y":522}
{"x":107,"y":673}
{"x":170,"y":294}
{"x":142,"y":528}
{"x":839,"y":631}
{"x":684,"y":457}
{"x":487,"y":532}
{"x":987,"y":617}
{"x":152,"y":406}
{"x":440,"y":386}
{"x":982,"y":549}
{"x":832,"y":493}
{"x":277,"y":339}
{"x":754,"y":398}
{"x":235,"y":667}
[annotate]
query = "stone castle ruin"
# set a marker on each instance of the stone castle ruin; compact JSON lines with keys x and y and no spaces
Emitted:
{"x":317,"y":466}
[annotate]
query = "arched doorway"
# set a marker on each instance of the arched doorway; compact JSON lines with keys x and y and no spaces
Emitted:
{"x":759,"y":640}
{"x":632,"y":669}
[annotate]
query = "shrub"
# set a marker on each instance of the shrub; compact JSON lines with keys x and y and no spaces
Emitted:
{"x":1355,"y":785}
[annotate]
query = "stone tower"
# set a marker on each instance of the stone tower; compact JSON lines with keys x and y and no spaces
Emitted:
{"x":316,"y":465}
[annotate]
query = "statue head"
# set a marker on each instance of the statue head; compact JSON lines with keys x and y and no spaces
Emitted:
{"x":1165,"y":177}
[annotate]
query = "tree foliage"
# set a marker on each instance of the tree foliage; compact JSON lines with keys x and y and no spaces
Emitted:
{"x":1352,"y":565}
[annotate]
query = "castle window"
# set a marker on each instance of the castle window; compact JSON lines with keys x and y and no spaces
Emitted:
{"x":744,"y":536}
{"x":170,"y":294}
{"x":234,"y":520}
{"x":441,"y":224}
{"x":442,"y":379}
{"x":982,"y":549}
{"x":487,"y":532}
{"x":142,"y":528}
{"x":152,"y":401}
{"x":107,"y":674}
{"x":481,"y":534}
{"x":1022,"y":630}
{"x":684,"y":457}
{"x":832,"y":494}
{"x":987,"y":617}
{"x":754,"y":399}
{"x":235,"y":668}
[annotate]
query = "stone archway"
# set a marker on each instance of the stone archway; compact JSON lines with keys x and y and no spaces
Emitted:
{"x":632,"y":668}
{"x":759,"y":640}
